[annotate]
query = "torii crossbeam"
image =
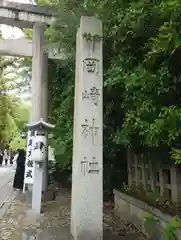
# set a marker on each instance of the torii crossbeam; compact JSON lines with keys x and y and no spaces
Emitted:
{"x":24,"y":15}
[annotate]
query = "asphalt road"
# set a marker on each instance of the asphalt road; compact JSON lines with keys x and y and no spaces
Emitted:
{"x":7,"y":193}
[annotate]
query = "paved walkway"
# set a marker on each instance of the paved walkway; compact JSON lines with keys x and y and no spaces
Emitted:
{"x":17,"y":224}
{"x":7,"y":194}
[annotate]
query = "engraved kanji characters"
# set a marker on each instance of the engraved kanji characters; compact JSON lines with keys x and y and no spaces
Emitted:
{"x":93,"y":166}
{"x":89,"y":166}
{"x":91,"y":65}
{"x":92,"y":94}
{"x":92,"y":39}
{"x":89,"y":130}
{"x":84,"y":166}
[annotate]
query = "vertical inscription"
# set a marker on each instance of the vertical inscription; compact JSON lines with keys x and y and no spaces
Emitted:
{"x":87,"y":160}
{"x":89,"y":129}
{"x":29,"y":162}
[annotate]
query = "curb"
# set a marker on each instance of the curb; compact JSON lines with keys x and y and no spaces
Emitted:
{"x":7,"y":203}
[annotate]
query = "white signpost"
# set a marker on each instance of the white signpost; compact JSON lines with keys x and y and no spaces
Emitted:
{"x":29,"y":164}
{"x":39,"y":153}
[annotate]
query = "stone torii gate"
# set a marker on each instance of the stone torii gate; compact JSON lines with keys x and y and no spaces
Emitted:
{"x":36,"y":18}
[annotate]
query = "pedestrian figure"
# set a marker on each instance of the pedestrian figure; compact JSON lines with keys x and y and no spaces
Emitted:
{"x":11,"y":159}
{"x":1,"y":158}
{"x":5,"y":157}
{"x":20,"y":170}
{"x":6,"y":161}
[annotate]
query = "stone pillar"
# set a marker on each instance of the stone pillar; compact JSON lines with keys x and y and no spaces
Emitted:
{"x":136,"y":170}
{"x":174,"y":184}
{"x":144,"y":177}
{"x":129,"y":165}
{"x":40,"y":85}
{"x":44,"y":88}
{"x":87,"y":184}
{"x":75,"y":133}
{"x":152,"y":180}
{"x":161,"y":182}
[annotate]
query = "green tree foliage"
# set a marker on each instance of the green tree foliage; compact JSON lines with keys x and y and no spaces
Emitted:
{"x":141,"y":74}
{"x":141,"y":56}
{"x":13,"y":122}
{"x":4,"y":102}
{"x":17,"y":143}
{"x":13,"y":113}
{"x":62,"y":110}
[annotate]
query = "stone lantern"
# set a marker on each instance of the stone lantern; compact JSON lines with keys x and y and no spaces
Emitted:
{"x":39,"y":156}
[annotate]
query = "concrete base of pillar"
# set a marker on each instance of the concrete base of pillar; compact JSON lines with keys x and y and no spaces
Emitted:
{"x":26,"y":197}
{"x":32,"y":216}
{"x":86,"y":236}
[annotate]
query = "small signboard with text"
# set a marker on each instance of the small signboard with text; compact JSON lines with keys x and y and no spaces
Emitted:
{"x":29,"y":164}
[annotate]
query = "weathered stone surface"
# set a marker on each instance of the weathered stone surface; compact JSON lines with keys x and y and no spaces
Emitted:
{"x":40,"y":10}
{"x":133,"y":212}
{"x":24,"y":15}
{"x":87,"y":170}
{"x":23,"y":48}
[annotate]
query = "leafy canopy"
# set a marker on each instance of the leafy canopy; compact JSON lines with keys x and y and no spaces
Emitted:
{"x":141,"y":74}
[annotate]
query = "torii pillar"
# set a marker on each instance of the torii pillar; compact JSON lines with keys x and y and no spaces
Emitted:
{"x":36,"y":17}
{"x":40,"y":85}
